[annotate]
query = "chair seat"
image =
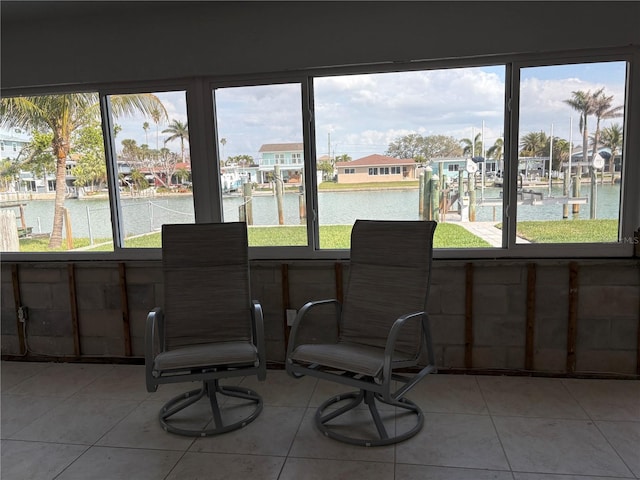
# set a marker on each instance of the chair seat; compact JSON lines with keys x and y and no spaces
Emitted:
{"x":201,"y":356}
{"x":350,"y":357}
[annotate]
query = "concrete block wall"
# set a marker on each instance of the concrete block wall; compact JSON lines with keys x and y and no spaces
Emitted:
{"x":606,"y":340}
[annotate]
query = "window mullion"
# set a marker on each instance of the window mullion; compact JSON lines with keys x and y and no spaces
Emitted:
{"x":510,"y":174}
{"x":203,"y":135}
{"x":111,"y":157}
{"x":310,"y":165}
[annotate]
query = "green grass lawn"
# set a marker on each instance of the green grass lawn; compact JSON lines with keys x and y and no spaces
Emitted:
{"x":336,"y":237}
{"x":569,"y":231}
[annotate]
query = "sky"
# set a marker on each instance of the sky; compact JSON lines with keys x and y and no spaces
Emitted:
{"x":359,"y":115}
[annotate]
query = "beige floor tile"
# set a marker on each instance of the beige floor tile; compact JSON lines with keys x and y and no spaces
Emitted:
{"x":216,"y":466}
{"x":449,"y":394}
{"x":89,"y":421}
{"x":121,"y":381}
{"x":13,"y":373}
{"x":547,"y":476}
{"x":624,"y":437}
{"x":311,"y":443}
{"x":607,"y":399}
{"x":454,"y":440}
{"x":141,"y":429}
{"x":270,"y":434}
{"x":102,"y":463}
{"x":529,"y":397}
{"x":572,"y":447}
{"x":422,"y":472}
{"x":60,"y":380}
{"x":18,"y":411}
{"x":315,"y":469}
{"x":36,"y":460}
{"x":80,"y":419}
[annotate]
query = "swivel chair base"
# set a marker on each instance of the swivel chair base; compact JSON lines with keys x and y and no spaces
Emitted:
{"x":369,"y":398}
{"x":210,"y":389}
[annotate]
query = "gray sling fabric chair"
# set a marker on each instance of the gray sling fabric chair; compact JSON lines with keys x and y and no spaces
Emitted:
{"x":384,"y":334}
{"x":209,"y":328}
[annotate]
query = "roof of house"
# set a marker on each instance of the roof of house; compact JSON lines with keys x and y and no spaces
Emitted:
{"x":376,"y":160}
{"x":282,"y":147}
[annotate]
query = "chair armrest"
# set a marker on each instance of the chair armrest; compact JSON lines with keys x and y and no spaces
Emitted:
{"x":389,"y":350}
{"x":257,"y":327}
{"x":153,"y":343}
{"x":300,"y":316}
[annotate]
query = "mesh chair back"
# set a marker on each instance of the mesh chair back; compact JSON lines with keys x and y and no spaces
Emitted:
{"x":206,"y":282}
{"x":389,"y":276}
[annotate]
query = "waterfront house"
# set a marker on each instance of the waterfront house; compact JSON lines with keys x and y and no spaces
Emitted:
{"x":289,"y":156}
{"x":12,"y":143}
{"x":376,"y":168}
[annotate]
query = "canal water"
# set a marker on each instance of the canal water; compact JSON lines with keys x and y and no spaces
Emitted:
{"x":91,"y":217}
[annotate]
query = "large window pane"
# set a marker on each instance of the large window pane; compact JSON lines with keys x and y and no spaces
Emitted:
{"x":262,"y":162}
{"x":154,"y":167}
{"x":412,"y":145}
{"x":54,"y":190}
{"x":565,"y":195}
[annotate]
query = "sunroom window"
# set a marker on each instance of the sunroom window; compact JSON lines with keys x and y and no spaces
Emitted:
{"x":570,"y":153}
{"x":259,"y":131}
{"x":59,"y":193}
{"x":153,"y":164}
{"x":420,"y":123}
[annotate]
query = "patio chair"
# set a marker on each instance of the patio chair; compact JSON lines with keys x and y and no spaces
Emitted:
{"x":208,"y":329}
{"x":383,"y":339}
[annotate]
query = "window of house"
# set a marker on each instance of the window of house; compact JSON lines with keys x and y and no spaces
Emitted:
{"x":2,"y":146}
{"x":570,"y":153}
{"x":373,"y":171}
{"x":259,"y":120}
{"x":395,"y":170}
{"x":453,"y":167}
{"x":349,"y":170}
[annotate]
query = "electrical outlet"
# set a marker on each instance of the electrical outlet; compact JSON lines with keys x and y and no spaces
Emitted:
{"x":291,"y":316}
{"x":22,"y":314}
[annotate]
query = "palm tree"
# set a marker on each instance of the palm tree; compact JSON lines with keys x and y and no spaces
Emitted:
{"x":583,"y":102}
{"x":62,"y":115}
{"x":602,"y":109}
{"x":177,"y":129}
{"x":343,"y":158}
{"x":560,"y":151}
{"x":473,"y":148}
{"x":612,"y":139}
{"x":497,"y":150}
{"x":223,"y":142}
{"x":156,"y":116}
{"x":145,"y":127}
{"x":533,"y":144}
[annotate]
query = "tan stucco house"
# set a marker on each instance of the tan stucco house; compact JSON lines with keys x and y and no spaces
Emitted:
{"x":376,"y":168}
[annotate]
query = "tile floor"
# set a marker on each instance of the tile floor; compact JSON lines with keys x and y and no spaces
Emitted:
{"x":87,"y":421}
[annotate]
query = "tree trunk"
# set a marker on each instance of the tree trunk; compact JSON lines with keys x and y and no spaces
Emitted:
{"x":61,"y":185}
